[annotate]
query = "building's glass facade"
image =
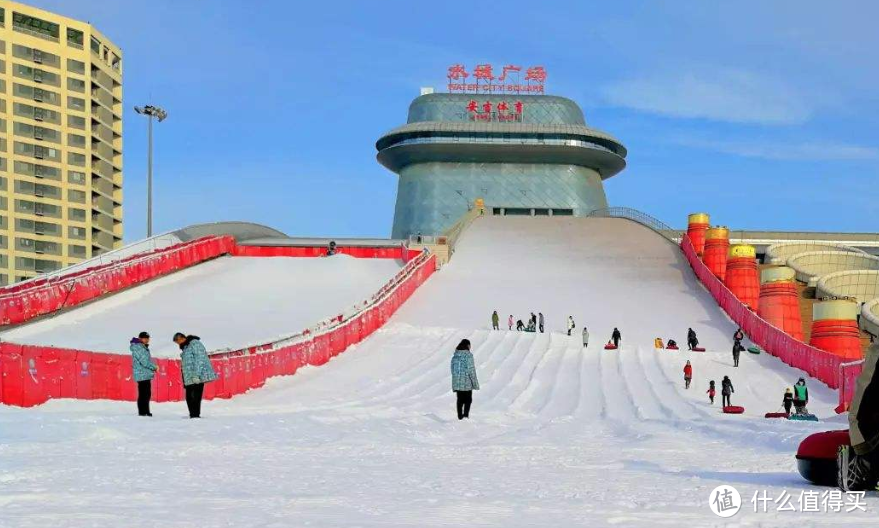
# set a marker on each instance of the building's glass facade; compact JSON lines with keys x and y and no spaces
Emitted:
{"x":520,"y":153}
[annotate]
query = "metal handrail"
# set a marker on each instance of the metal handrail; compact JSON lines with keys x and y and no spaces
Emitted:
{"x":642,"y":218}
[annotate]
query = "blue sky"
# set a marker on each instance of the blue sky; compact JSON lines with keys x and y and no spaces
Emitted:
{"x":763,"y":115}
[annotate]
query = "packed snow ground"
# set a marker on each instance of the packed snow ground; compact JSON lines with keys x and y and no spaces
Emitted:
{"x":230,"y":303}
{"x":559,"y":436}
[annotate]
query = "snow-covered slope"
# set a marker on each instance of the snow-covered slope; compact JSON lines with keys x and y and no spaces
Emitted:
{"x":559,"y":436}
{"x":230,"y":302}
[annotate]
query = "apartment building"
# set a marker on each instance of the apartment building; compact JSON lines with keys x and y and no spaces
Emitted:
{"x":60,"y":142}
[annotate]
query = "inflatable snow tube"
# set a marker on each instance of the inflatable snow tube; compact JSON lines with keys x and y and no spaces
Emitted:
{"x":804,"y":417}
{"x":816,"y":456}
{"x":672,"y":347}
{"x":754,"y":349}
{"x":733,"y":409}
{"x":776,"y":415}
{"x":698,"y":349}
{"x":610,"y":347}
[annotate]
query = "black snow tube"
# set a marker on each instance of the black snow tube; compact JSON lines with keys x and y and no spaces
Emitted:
{"x":816,"y":456}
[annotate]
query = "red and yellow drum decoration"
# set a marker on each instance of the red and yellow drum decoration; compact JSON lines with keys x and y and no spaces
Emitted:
{"x":697,"y":225}
{"x":835,"y":328}
{"x":716,"y":251}
{"x":779,"y":304}
{"x":741,"y":274}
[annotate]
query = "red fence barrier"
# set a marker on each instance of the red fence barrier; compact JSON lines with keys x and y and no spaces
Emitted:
{"x":817,"y":363}
{"x":396,"y":252}
{"x":23,"y":302}
{"x":32,"y":375}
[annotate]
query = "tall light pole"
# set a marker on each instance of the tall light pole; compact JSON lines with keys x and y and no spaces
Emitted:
{"x":150,"y":111}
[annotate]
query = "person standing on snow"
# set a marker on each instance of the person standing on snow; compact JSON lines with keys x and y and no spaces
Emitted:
{"x":858,"y":463}
{"x":540,"y":321}
{"x":801,"y":396}
{"x":585,"y":337}
{"x":711,"y":391}
{"x":197,"y":370}
{"x":739,"y":336}
{"x":510,"y":322}
{"x":571,"y":324}
{"x":788,"y":400}
{"x":495,"y":321}
{"x":736,"y":352}
{"x":464,"y":380}
{"x":688,"y":374}
{"x":692,"y":342}
{"x":532,"y":322}
{"x":616,"y":337}
{"x":143,"y":370}
{"x":726,"y":390}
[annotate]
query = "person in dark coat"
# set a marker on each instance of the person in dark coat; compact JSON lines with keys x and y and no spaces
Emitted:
{"x":692,"y":342}
{"x":464,"y":380}
{"x":143,"y":370}
{"x":788,"y":400}
{"x":495,"y":321}
{"x":726,"y":390}
{"x":540,"y":321}
{"x":520,"y":326}
{"x":736,"y":352}
{"x":738,"y":336}
{"x":197,"y":370}
{"x":616,"y":337}
{"x":858,"y":463}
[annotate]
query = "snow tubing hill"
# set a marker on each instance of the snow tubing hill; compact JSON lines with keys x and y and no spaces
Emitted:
{"x":816,"y":456}
{"x":733,"y":409}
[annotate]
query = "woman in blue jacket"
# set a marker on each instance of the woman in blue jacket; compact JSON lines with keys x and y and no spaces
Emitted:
{"x":464,"y":380}
{"x":197,"y":370}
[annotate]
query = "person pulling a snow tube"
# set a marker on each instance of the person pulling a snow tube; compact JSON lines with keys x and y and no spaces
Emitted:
{"x":692,"y":341}
{"x":616,"y":337}
{"x":726,"y":390}
{"x":858,"y":459}
{"x":801,"y":397}
{"x":787,"y":400}
{"x":520,"y":325}
{"x":672,"y":345}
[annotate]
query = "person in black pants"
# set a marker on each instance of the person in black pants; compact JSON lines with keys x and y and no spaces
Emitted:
{"x":197,"y":370}
{"x":464,"y":380}
{"x":736,"y":352}
{"x":194,"y":394}
{"x":616,"y":337}
{"x":143,"y":370}
{"x":465,"y":399}
{"x":726,"y":390}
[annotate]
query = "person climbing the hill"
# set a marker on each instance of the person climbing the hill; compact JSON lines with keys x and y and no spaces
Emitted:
{"x":616,"y":337}
{"x":711,"y":391}
{"x":688,"y":374}
{"x":858,"y":463}
{"x":495,"y":321}
{"x":692,"y":342}
{"x":585,"y":337}
{"x":726,"y":390}
{"x":801,"y":396}
{"x":143,"y":370}
{"x":571,"y":324}
{"x":197,"y":370}
{"x":788,"y":400}
{"x":736,"y":352}
{"x":540,"y":321}
{"x":520,"y":325}
{"x":464,"y":380}
{"x":510,"y":322}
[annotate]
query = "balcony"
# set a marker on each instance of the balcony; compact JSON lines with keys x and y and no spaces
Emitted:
{"x":100,"y":238}
{"x":33,"y":33}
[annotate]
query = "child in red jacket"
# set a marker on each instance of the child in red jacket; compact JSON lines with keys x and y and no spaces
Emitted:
{"x":711,"y":391}
{"x":688,"y":375}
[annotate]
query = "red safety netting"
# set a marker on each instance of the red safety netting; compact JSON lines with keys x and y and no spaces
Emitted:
{"x":819,"y":364}
{"x":31,"y":375}
{"x":395,"y":252}
{"x":22,"y":302}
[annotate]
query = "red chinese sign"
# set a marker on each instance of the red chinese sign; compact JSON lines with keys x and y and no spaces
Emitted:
{"x":500,"y":111}
{"x":485,"y":81}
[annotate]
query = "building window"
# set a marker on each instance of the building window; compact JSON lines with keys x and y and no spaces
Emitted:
{"x":76,"y":159}
{"x":76,"y":232}
{"x":76,"y":66}
{"x":35,"y":26}
{"x":76,"y":196}
{"x":76,"y":85}
{"x":95,"y":46}
{"x":76,"y":177}
{"x":76,"y":140}
{"x":76,"y":214}
{"x":37,"y":151}
{"x":76,"y":103}
{"x":74,"y":38}
{"x":36,"y":170}
{"x":76,"y":251}
{"x":76,"y":122}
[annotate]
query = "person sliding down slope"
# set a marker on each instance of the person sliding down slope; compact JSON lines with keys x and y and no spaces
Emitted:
{"x":464,"y":380}
{"x":858,"y":463}
{"x":570,"y":324}
{"x":726,"y":389}
{"x":616,"y":337}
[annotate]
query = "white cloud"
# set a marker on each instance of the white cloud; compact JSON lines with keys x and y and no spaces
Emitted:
{"x":806,"y":151}
{"x":721,"y":95}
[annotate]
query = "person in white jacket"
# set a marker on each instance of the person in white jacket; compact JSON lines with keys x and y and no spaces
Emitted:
{"x":585,"y":337}
{"x":570,"y":324}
